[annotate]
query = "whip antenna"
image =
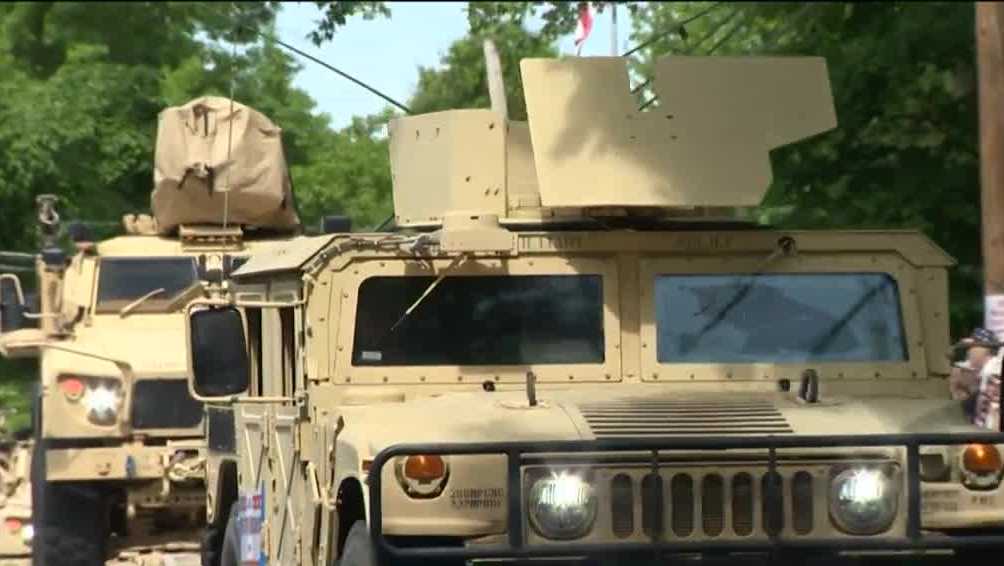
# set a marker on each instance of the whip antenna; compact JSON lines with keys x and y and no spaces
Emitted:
{"x":230,"y":132}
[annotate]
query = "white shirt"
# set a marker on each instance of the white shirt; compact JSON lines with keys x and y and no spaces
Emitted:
{"x":988,"y":407}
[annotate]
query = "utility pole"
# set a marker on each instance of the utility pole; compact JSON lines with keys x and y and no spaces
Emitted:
{"x":613,"y":29}
{"x":990,"y":58}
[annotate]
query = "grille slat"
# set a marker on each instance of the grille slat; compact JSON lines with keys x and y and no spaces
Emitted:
{"x":622,"y":505}
{"x":682,"y":504}
{"x":648,"y":417}
{"x":772,"y":500}
{"x":653,"y":505}
{"x":742,"y":504}
{"x":802,"y":502}
{"x":713,"y":505}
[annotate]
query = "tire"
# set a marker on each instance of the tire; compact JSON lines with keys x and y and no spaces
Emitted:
{"x":230,"y":552}
{"x":70,"y":519}
{"x":358,"y":550}
{"x":211,"y":547}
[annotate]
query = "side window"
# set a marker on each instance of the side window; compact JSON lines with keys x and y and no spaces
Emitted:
{"x":255,"y":351}
{"x":287,"y":319}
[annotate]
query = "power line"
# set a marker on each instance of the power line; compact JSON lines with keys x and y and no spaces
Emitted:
{"x":678,"y":28}
{"x":741,"y":24}
{"x":331,"y":68}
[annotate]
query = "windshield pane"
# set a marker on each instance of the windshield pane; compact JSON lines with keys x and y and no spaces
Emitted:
{"x":123,"y":280}
{"x":507,"y":320}
{"x":779,"y":318}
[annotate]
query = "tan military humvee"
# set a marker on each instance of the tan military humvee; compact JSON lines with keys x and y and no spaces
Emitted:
{"x":562,"y":353}
{"x":16,"y":530}
{"x":120,"y":442}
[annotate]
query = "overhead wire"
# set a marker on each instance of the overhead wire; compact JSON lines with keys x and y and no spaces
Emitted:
{"x":677,"y":28}
{"x":693,"y":48}
{"x":690,"y":49}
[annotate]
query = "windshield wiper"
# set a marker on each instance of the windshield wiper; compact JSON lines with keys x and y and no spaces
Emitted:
{"x":785,"y":247}
{"x":428,"y":290}
{"x":129,"y":308}
{"x":834,"y":330}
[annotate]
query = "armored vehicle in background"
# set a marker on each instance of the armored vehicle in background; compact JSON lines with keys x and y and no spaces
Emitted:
{"x":119,"y":441}
{"x":571,"y":348}
{"x":16,"y":530}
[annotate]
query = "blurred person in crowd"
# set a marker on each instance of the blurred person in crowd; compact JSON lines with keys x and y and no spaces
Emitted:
{"x":967,"y":379}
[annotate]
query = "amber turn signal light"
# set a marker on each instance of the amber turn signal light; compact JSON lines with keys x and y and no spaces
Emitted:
{"x":12,"y":525}
{"x":982,"y":459}
{"x":424,"y":468}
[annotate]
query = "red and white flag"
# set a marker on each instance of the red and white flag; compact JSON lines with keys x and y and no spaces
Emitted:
{"x":584,"y":26}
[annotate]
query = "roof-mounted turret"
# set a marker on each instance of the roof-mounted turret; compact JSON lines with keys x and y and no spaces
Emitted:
{"x":587,"y":149}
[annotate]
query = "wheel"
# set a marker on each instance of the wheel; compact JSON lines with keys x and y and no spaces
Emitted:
{"x":230,"y":553}
{"x":211,"y":546}
{"x":70,"y":519}
{"x":358,"y":550}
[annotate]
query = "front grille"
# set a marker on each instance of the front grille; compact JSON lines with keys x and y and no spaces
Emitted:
{"x":653,"y":417}
{"x":712,"y":504}
{"x":164,"y":403}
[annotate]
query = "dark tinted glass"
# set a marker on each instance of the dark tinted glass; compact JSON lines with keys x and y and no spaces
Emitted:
{"x":123,"y":280}
{"x":780,"y":318}
{"x":219,"y":352}
{"x":164,"y":403}
{"x":505,"y":320}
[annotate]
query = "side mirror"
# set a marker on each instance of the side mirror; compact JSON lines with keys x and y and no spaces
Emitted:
{"x":11,"y":304}
{"x":218,"y":351}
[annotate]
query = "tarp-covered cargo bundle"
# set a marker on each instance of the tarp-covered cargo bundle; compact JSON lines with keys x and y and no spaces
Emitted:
{"x":195,"y":182}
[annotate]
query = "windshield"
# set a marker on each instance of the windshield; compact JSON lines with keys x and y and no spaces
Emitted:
{"x":778,"y":318}
{"x":124,"y":280}
{"x":483,"y":320}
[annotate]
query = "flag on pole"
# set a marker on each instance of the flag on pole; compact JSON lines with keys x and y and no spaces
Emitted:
{"x":584,"y":26}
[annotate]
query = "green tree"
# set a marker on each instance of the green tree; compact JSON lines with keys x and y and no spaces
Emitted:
{"x":81,"y":88}
{"x":461,"y":82}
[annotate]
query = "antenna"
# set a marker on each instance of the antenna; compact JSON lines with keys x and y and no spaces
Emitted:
{"x":331,"y":68}
{"x":230,"y":131}
{"x":496,"y":85}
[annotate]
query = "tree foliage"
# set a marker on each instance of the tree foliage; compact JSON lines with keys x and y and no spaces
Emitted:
{"x":336,"y":14}
{"x":82,"y":85}
{"x":461,"y":81}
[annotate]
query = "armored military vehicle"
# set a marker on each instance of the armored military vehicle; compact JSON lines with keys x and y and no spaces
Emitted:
{"x":119,"y":442}
{"x":16,"y":530}
{"x":571,"y":347}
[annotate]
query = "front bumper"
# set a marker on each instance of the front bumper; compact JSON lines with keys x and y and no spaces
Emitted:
{"x":127,"y":463}
{"x":519,"y":543}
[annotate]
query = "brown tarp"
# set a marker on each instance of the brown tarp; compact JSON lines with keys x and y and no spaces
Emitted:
{"x":195,"y":182}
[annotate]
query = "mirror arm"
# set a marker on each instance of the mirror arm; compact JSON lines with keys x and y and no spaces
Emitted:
{"x":17,"y":286}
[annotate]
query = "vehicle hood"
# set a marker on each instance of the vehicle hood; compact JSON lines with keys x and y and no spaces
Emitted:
{"x":152,"y":347}
{"x":596,"y":413}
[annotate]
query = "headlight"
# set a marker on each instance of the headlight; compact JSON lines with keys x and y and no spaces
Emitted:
{"x":27,"y":533}
{"x":562,"y":506}
{"x":863,"y":501}
{"x":102,"y":397}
